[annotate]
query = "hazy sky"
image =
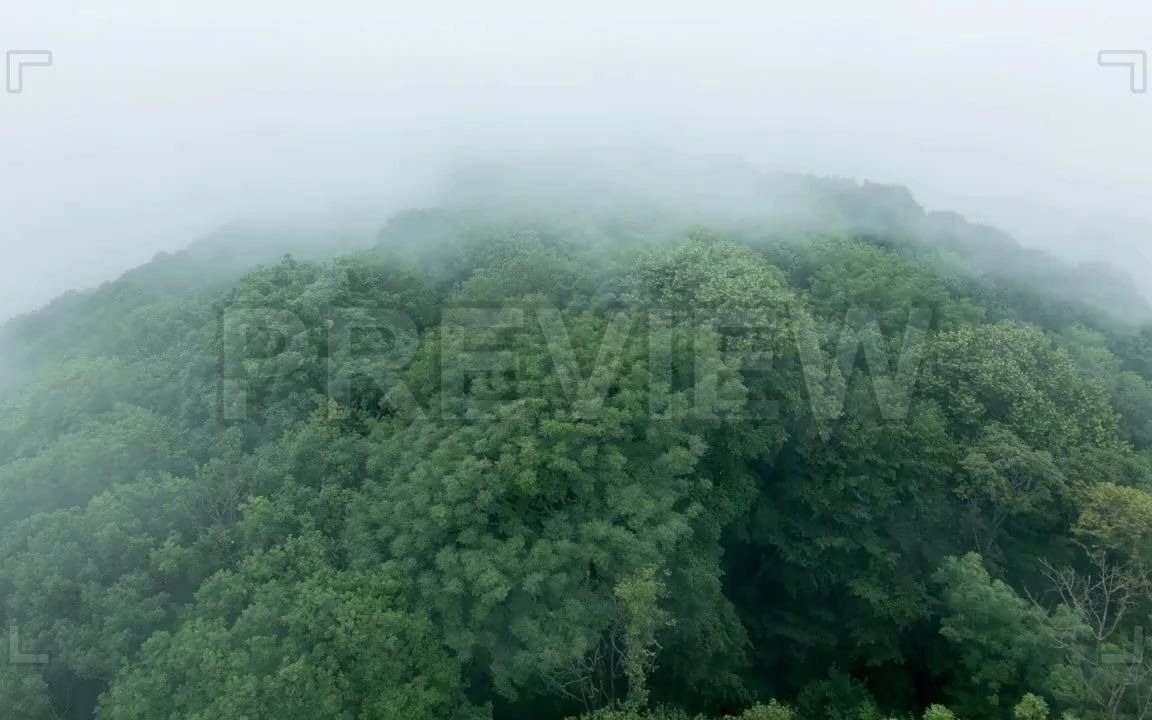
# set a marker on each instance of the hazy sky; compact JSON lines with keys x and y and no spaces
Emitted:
{"x":159,"y":121}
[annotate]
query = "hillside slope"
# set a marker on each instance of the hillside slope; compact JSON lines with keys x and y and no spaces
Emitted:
{"x":777,"y":447}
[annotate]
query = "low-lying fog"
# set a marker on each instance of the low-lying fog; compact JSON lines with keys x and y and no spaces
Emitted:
{"x":158,"y":122}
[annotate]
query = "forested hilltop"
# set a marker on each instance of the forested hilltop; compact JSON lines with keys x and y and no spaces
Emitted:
{"x":771,"y":448}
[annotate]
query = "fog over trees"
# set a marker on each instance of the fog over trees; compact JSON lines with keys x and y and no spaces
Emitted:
{"x":156,"y":125}
{"x":646,"y":363}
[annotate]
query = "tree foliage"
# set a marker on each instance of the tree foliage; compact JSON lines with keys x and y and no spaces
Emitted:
{"x":595,"y":464}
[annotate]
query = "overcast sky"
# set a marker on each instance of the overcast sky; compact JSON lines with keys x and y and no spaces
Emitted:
{"x":159,"y":121}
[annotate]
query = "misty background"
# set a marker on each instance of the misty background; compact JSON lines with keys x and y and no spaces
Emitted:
{"x":158,"y":123}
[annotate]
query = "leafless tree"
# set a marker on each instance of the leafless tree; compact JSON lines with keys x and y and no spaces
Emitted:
{"x":1092,"y":634}
{"x":591,"y":679}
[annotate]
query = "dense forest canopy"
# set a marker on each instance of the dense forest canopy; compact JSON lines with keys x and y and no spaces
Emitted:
{"x":775,"y":448}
